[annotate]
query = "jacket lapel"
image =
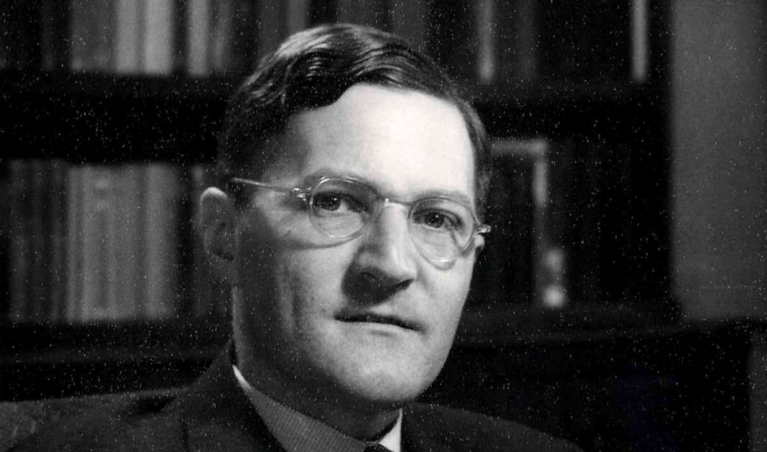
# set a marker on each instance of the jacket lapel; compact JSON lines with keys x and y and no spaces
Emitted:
{"x":419,"y":434}
{"x":216,"y":415}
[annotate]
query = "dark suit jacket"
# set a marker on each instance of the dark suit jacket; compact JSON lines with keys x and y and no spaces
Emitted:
{"x":214,"y":414}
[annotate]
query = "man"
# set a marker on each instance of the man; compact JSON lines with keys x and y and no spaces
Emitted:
{"x":347,"y":224}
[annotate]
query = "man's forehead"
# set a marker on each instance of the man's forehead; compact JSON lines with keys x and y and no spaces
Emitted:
{"x":405,"y":138}
{"x":390,"y":111}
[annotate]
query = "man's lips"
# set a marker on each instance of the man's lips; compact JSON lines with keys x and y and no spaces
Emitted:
{"x":369,"y":317}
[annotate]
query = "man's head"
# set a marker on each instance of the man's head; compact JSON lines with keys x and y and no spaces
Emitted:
{"x":313,"y":69}
{"x":352,"y":254}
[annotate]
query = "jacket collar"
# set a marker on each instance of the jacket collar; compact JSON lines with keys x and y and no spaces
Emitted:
{"x":216,"y":414}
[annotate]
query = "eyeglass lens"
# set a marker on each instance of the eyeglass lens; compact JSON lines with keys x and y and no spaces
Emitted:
{"x":441,"y":227}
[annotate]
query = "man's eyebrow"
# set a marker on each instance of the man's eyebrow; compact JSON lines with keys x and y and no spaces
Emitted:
{"x":452,"y":194}
{"x":314,"y":176}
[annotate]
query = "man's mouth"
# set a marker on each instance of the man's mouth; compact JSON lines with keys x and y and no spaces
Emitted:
{"x":378,"y":318}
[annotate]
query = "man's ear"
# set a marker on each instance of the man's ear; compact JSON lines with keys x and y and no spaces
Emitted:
{"x":218,"y":216}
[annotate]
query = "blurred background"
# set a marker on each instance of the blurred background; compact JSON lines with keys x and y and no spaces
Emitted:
{"x":620,"y":301}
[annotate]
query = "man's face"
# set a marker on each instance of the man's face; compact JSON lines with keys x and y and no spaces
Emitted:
{"x":369,"y":319}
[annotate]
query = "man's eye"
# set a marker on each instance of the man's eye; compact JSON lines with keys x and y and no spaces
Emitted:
{"x":336,"y":202}
{"x":327,"y":202}
{"x":436,"y":220}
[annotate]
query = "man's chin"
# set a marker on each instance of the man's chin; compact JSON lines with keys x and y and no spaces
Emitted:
{"x":382,"y":394}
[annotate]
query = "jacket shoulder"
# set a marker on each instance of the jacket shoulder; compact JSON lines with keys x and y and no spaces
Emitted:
{"x":430,"y":427}
{"x":128,"y":422}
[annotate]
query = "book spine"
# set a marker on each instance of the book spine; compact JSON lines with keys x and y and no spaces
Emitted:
{"x":197,"y":284}
{"x":43,"y":271}
{"x":271,"y":27}
{"x":57,"y":218}
{"x":374,"y":13}
{"x":222,"y":36}
{"x":97,"y":206}
{"x":163,"y":199}
{"x":525,"y":260}
{"x":297,"y":16}
{"x":504,"y":273}
{"x":78,"y":26}
{"x":159,"y":37}
{"x":55,"y":37}
{"x":198,"y":36}
{"x":19,"y":247}
{"x":555,"y":262}
{"x":105,"y":36}
{"x":5,"y":240}
{"x":234,"y":37}
{"x":91,"y":31}
{"x":127,"y":270}
{"x":128,"y":36}
{"x":484,"y":16}
{"x":409,"y":20}
{"x":38,"y":278}
{"x":453,"y":38}
{"x":75,"y":249}
{"x":35,"y":240}
{"x":516,"y":48}
{"x":640,"y":47}
{"x":20,"y":35}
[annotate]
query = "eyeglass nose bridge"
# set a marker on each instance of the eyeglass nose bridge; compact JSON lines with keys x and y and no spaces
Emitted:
{"x":380,"y":205}
{"x":384,"y":201}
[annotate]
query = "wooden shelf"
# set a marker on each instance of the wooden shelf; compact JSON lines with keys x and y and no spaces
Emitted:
{"x":671,"y":387}
{"x":33,"y":341}
{"x":47,"y":361}
{"x":108,"y":118}
{"x":493,"y":325}
{"x":534,"y":93}
{"x":101,"y":118}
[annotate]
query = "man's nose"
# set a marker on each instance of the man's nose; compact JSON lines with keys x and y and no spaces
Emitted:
{"x":387,"y":253}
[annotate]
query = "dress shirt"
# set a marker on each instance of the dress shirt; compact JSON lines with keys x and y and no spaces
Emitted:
{"x":297,"y":432}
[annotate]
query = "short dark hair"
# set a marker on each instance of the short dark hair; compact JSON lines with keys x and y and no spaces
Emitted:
{"x":312,"y":69}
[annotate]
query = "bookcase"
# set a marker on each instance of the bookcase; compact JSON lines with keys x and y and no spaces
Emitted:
{"x":574,"y":94}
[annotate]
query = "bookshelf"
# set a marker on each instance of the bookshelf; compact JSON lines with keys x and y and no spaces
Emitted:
{"x":588,"y":78}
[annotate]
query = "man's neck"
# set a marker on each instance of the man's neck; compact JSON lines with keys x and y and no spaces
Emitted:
{"x":364,"y":422}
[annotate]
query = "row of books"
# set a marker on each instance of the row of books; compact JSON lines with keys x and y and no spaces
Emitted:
{"x":157,"y":36}
{"x":87,"y":242}
{"x":497,"y":41}
{"x":128,"y":37}
{"x":483,"y":41}
{"x":525,"y":259}
{"x":198,"y":37}
{"x":114,"y":243}
{"x":117,"y":243}
{"x":564,"y":232}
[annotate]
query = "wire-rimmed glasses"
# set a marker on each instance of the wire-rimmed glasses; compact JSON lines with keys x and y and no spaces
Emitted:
{"x":442,"y":227}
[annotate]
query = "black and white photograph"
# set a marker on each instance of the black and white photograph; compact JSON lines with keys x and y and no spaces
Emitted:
{"x":226,"y":225}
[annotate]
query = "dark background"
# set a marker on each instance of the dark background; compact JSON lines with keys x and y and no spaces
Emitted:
{"x":659,"y":200}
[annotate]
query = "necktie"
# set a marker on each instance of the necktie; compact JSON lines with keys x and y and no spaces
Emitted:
{"x":376,"y":448}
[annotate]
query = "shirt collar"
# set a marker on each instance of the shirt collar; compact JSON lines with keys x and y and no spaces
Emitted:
{"x":297,"y":432}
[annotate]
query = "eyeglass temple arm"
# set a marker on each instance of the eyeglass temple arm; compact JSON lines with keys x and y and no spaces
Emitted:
{"x":298,"y":192}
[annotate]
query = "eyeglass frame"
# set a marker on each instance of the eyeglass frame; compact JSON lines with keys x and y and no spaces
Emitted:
{"x":305,"y":195}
